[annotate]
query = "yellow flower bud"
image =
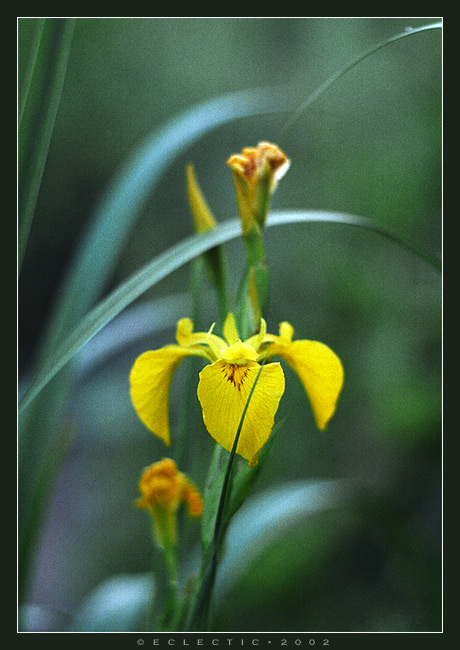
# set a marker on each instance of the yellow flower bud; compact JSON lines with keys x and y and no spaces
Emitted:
{"x":163,"y":489}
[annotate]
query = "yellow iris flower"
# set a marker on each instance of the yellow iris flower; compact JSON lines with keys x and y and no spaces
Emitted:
{"x":225,"y":383}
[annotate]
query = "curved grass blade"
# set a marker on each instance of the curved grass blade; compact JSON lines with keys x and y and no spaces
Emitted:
{"x":302,"y":216}
{"x":410,"y":31}
{"x":124,"y":198}
{"x":38,"y":108}
{"x":174,"y":258}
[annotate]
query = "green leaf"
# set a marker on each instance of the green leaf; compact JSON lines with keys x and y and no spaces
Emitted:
{"x":214,"y":482}
{"x":174,"y":258}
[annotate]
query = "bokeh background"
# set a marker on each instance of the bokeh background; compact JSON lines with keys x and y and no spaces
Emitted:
{"x":371,"y":146}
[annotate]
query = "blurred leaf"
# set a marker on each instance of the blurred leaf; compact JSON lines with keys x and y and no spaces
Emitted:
{"x":119,"y":604}
{"x":144,"y":320}
{"x":171,"y":260}
{"x":268,"y":515}
{"x":38,"y":106}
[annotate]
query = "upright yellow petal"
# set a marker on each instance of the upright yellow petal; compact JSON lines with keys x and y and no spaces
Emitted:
{"x":260,"y":338}
{"x":150,"y":380}
{"x":202,"y":215}
{"x":223,"y":391}
{"x":320,"y":371}
{"x":231,"y":330}
{"x":206,"y":343}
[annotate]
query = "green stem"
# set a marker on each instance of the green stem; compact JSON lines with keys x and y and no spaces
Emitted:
{"x":171,"y":609}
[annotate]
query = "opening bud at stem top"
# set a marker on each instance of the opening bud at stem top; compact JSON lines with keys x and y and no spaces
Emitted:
{"x":256,"y":172}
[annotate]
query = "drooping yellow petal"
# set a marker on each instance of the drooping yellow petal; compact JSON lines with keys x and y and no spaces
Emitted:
{"x":150,"y":380}
{"x":223,"y":391}
{"x":320,"y":371}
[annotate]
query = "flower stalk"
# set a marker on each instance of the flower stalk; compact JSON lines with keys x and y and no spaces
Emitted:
{"x":163,"y":488}
{"x":239,"y":417}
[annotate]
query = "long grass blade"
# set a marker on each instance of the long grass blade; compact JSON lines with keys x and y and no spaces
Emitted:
{"x":173,"y":259}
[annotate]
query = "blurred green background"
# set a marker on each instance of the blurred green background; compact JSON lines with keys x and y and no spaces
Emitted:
{"x":370,"y":146}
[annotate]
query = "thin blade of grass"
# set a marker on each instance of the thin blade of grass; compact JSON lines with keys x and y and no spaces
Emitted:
{"x":174,"y":258}
{"x":410,"y":31}
{"x":38,"y":106}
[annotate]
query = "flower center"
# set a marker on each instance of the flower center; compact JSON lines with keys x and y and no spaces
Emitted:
{"x":235,"y":373}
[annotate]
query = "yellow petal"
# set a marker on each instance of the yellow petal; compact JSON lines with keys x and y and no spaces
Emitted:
{"x":223,"y":391}
{"x":150,"y":380}
{"x":320,"y":371}
{"x":239,"y":353}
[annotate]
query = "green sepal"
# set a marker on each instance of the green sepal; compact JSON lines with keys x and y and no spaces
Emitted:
{"x":263,"y":194}
{"x":212,"y":493}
